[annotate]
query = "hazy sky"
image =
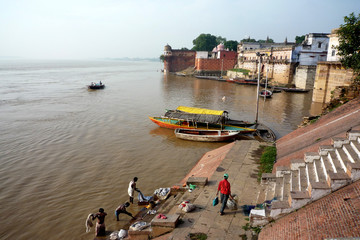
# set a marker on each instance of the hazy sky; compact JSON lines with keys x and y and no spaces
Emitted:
{"x":80,"y":29}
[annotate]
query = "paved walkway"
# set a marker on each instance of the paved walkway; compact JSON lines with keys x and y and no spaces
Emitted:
{"x":240,"y":164}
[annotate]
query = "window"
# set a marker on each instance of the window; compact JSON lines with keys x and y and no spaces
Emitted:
{"x":333,"y":53}
{"x":319,"y":45}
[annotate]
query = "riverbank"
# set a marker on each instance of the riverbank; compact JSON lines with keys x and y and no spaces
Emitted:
{"x":241,"y":163}
{"x":240,"y":160}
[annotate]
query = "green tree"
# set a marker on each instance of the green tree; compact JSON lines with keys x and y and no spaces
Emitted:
{"x":299,"y":39}
{"x":162,"y":57}
{"x":231,"y":45}
{"x":349,"y":43}
{"x":220,"y":39}
{"x":248,"y":40}
{"x":204,"y":42}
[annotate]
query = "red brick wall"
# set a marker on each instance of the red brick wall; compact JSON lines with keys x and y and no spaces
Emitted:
{"x":334,"y":216}
{"x":228,"y":55}
{"x":214,"y":64}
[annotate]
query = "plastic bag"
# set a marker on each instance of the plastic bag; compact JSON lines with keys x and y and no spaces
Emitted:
{"x":186,"y":206}
{"x":231,"y":204}
{"x":189,"y":207}
{"x":215,"y":201}
{"x":114,"y":236}
{"x":122,"y":234}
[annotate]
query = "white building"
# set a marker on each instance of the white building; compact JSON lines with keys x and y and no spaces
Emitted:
{"x":313,"y":49}
{"x":332,"y":54}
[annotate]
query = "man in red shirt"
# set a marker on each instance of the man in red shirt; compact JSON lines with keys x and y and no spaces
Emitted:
{"x":225,"y":192}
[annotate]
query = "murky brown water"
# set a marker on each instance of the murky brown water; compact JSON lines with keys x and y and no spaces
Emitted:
{"x":66,"y":151}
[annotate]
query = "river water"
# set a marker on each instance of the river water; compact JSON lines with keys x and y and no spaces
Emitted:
{"x":65,"y":151}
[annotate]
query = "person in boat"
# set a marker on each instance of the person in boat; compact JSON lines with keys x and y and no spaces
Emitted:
{"x":132,"y":188}
{"x":122,"y":209}
{"x":100,"y":224}
{"x":100,"y":83}
{"x":225,"y":192}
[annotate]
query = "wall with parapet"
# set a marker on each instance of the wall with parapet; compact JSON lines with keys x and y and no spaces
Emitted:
{"x":328,"y":76}
{"x":305,"y":77}
{"x":179,"y":60}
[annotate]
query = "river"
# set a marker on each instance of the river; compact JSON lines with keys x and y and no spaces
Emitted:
{"x":66,"y":151}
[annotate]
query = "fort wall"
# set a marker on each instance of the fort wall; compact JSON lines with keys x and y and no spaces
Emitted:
{"x":178,"y":60}
{"x":328,"y":76}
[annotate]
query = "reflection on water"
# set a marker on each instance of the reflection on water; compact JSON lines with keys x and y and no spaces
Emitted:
{"x":66,"y":151}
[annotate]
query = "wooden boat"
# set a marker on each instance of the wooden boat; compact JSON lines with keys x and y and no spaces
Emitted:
{"x":174,"y":123}
{"x":99,"y":85}
{"x":190,"y":117}
{"x":210,"y":78}
{"x":245,"y":81}
{"x":296,"y":90}
{"x":205,"y":135}
{"x":265,"y":93}
{"x":264,"y":133}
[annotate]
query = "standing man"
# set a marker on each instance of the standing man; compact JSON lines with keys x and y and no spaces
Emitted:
{"x":100,"y":224}
{"x":225,"y":192}
{"x":132,"y":188}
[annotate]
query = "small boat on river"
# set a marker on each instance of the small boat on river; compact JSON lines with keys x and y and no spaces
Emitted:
{"x":296,"y":90}
{"x":206,"y":135}
{"x":266,"y":93}
{"x":99,"y":85}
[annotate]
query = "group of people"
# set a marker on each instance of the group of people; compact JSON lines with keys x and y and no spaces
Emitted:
{"x":100,"y":216}
{"x":224,"y":189}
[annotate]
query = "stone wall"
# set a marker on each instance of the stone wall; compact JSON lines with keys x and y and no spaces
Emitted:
{"x":179,"y":60}
{"x":305,"y":77}
{"x":280,"y":71}
{"x":328,"y":76}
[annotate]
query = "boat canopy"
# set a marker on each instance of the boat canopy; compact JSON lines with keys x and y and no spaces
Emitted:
{"x":201,"y":111}
{"x":204,"y":118}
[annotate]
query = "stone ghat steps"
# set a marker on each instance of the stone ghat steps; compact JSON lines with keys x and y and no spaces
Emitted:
{"x":317,"y":175}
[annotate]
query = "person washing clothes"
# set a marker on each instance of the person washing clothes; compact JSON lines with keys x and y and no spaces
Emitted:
{"x":100,"y":224}
{"x":225,"y":192}
{"x":122,"y":209}
{"x":132,"y":188}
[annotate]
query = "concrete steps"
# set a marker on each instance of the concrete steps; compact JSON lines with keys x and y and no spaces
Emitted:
{"x":317,"y":175}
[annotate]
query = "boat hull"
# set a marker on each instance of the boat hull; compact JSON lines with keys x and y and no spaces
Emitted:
{"x":206,"y":135}
{"x":179,"y":123}
{"x":96,"y":86}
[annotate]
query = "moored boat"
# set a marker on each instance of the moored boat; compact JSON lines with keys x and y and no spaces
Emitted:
{"x":265,"y":93}
{"x":174,"y":123}
{"x":296,"y":90}
{"x":206,"y":135}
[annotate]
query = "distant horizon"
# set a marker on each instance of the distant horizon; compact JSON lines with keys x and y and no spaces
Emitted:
{"x":2,"y":58}
{"x":90,"y":29}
